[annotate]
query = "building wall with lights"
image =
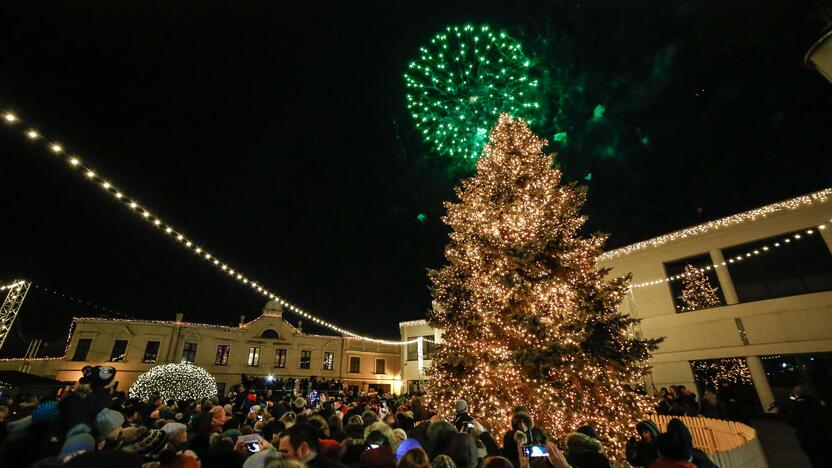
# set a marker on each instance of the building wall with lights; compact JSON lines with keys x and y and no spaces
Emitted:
{"x":759,"y":318}
{"x":267,"y":345}
{"x":774,"y":295}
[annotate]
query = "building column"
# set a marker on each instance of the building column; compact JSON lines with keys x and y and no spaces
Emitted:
{"x":826,"y":233}
{"x":724,"y":277}
{"x":758,"y":377}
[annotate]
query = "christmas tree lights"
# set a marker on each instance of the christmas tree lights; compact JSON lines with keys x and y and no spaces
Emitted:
{"x":174,"y":382}
{"x":460,"y":83}
{"x":712,"y":373}
{"x":697,"y":292}
{"x":529,"y":318}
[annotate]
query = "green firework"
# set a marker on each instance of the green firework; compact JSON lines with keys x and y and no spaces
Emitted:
{"x":463,"y":79}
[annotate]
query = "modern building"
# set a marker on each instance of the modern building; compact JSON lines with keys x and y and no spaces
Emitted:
{"x":772,"y":270}
{"x":414,"y":360}
{"x":267,"y":345}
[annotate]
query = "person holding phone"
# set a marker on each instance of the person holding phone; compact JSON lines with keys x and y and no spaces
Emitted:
{"x":462,"y":418}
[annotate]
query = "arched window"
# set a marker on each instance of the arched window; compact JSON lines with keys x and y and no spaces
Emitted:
{"x":269,"y":334}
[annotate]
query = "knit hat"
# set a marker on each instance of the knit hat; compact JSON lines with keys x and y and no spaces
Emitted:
{"x":443,"y":461}
{"x":405,"y":446}
{"x":77,"y":444}
{"x":232,"y":434}
{"x":98,"y":376}
{"x":45,"y":412}
{"x":263,"y":458}
{"x":151,"y":444}
{"x":173,"y":430}
{"x":107,"y":421}
{"x":461,"y":406}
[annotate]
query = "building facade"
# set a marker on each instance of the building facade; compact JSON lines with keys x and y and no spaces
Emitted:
{"x":267,"y":345}
{"x":772,"y":323}
{"x":414,"y":361}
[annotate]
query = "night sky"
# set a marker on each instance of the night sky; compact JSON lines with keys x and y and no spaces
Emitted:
{"x":280,"y":140}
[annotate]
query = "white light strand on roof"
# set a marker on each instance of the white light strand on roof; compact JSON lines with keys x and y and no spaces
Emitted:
{"x":821,"y":196}
{"x":88,"y":173}
{"x":770,"y":247}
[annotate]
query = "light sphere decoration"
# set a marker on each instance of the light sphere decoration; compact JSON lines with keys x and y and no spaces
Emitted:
{"x":462,"y":81}
{"x":174,"y":382}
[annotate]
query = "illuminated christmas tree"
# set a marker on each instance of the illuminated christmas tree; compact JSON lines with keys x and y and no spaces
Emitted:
{"x":697,"y":292}
{"x":174,"y":382}
{"x":528,"y":317}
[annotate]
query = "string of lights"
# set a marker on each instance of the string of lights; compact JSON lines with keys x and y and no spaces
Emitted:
{"x":74,"y":161}
{"x":822,"y":196}
{"x":76,"y":300}
{"x":776,"y":245}
{"x":11,"y":285}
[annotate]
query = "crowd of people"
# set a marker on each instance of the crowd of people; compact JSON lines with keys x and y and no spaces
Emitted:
{"x":721,"y":403}
{"x":92,"y":426}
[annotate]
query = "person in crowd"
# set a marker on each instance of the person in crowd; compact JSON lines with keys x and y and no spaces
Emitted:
{"x":644,"y":451}
{"x":301,"y":443}
{"x":584,"y":449}
{"x":696,"y":456}
{"x":463,"y":451}
{"x":807,"y":415}
{"x":712,"y":406}
{"x":462,"y":418}
{"x":687,"y":400}
{"x":414,"y":458}
{"x":521,"y":422}
{"x":673,"y":452}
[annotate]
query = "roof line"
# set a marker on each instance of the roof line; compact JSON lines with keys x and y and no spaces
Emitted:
{"x":821,"y":196}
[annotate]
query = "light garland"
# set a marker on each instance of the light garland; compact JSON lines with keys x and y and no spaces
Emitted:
{"x":784,"y":242}
{"x":72,"y":298}
{"x":74,"y":162}
{"x":11,"y":285}
{"x":174,"y":382}
{"x":821,"y":196}
{"x":716,"y":371}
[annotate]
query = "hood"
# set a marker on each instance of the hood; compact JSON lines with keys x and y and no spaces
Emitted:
{"x":578,"y":443}
{"x":648,"y":425}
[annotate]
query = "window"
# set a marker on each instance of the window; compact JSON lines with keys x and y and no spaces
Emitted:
{"x":428,"y":348}
{"x":189,"y":352}
{"x":379,"y":366}
{"x":305,"y":359}
{"x":151,"y":351}
{"x":280,"y":358}
{"x":678,"y":267}
{"x":82,"y":349}
{"x":355,"y":364}
{"x":788,"y":264}
{"x":329,"y":359}
{"x":119,"y":348}
{"x":254,"y":356}
{"x":221,"y":389}
{"x":223,"y":351}
{"x":269,"y":334}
